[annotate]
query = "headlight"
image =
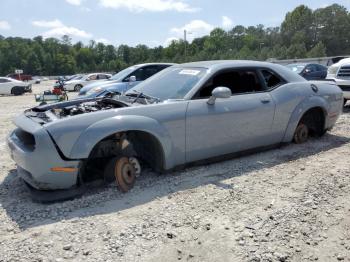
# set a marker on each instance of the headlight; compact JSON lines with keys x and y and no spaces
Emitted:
{"x":332,"y":70}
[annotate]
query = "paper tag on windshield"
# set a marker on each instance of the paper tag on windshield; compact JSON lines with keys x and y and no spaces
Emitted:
{"x":189,"y":72}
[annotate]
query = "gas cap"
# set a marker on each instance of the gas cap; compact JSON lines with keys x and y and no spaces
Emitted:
{"x":314,"y":88}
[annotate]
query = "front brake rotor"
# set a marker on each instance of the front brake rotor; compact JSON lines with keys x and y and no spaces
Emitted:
{"x":125,"y":174}
{"x":136,"y":164}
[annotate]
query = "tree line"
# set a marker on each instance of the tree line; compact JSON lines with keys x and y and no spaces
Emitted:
{"x":303,"y":33}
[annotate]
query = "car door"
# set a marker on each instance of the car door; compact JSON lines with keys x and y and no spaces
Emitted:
{"x":5,"y":86}
{"x":233,"y":124}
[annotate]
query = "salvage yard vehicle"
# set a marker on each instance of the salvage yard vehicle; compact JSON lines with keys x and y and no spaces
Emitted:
{"x":20,"y":77}
{"x":127,"y":78}
{"x":186,"y":114}
{"x":78,"y":82}
{"x":340,"y":73}
{"x":10,"y":86}
{"x":309,"y":71}
{"x":56,"y":95}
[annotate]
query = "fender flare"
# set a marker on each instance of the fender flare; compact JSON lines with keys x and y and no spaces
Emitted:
{"x":300,"y":110}
{"x":107,"y":127}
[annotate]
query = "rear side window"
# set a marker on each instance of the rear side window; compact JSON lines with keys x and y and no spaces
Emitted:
{"x":2,"y":80}
{"x":102,"y":76}
{"x":93,"y":77}
{"x":271,"y":79}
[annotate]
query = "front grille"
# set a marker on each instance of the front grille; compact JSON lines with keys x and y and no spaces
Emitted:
{"x":344,"y":72}
{"x":26,"y":139}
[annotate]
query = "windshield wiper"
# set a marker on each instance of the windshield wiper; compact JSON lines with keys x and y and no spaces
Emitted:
{"x":140,"y":94}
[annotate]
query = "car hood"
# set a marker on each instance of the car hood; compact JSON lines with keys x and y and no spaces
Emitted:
{"x":342,"y":62}
{"x":96,"y":84}
{"x":66,"y":121}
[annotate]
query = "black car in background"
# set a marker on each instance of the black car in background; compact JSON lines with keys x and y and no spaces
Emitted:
{"x":309,"y":71}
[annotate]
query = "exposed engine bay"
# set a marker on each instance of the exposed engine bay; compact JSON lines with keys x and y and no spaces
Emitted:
{"x":47,"y":113}
{"x":88,"y":107}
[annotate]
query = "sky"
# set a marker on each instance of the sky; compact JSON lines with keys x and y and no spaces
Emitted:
{"x":132,"y":22}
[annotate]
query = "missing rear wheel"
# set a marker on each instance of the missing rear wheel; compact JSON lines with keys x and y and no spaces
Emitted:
{"x":301,"y":134}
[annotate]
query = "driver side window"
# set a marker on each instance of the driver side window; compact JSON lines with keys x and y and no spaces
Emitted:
{"x":238,"y":81}
{"x":139,"y":74}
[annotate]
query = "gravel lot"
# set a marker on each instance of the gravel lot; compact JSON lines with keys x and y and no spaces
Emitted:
{"x":287,"y":204}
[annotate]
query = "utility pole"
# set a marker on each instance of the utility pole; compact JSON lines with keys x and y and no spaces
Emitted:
{"x":185,"y":42}
{"x":261,"y":45}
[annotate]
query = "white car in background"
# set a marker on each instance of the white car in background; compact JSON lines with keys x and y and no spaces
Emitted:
{"x":79,"y":82}
{"x":9,"y":86}
{"x":340,"y":73}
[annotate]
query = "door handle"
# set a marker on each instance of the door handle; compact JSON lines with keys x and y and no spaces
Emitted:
{"x":265,"y":100}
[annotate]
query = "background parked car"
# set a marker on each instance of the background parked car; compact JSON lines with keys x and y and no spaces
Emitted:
{"x":217,"y":108}
{"x":123,"y":80}
{"x":340,"y":73}
{"x":101,"y":91}
{"x":79,"y":82}
{"x":36,"y":79}
{"x":20,"y":77}
{"x":309,"y":71}
{"x":9,"y":86}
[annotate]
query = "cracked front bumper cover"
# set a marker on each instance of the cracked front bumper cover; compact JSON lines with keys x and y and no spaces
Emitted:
{"x":36,"y":163}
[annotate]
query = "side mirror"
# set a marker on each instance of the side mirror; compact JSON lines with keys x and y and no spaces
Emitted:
{"x":219,"y":92}
{"x":132,"y":79}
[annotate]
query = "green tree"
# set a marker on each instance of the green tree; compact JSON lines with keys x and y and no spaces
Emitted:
{"x":318,"y":50}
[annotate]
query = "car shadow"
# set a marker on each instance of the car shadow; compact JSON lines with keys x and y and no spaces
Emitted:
{"x":15,"y":197}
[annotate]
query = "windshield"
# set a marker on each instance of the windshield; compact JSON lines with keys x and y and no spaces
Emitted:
{"x":171,"y":83}
{"x":75,"y":78}
{"x":297,"y":68}
{"x":122,"y":74}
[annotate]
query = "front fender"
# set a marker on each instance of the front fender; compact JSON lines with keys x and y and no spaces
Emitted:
{"x":300,"y":110}
{"x":104,"y":128}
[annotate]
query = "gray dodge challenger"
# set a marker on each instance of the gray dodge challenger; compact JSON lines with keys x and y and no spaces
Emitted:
{"x":186,"y":114}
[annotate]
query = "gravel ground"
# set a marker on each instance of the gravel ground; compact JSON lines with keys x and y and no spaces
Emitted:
{"x":287,"y":204}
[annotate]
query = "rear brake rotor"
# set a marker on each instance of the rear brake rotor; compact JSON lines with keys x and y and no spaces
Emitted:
{"x":301,"y":134}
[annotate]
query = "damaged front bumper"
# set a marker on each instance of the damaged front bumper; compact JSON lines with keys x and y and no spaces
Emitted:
{"x":38,"y":160}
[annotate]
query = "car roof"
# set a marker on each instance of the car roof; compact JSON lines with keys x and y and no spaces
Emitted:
{"x":216,"y":65}
{"x":227,"y":63}
{"x":298,"y":64}
{"x":150,"y":64}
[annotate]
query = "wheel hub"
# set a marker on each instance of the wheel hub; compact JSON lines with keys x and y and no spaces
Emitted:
{"x":125,"y":174}
{"x":301,"y":134}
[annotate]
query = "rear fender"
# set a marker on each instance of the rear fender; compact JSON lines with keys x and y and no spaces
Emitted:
{"x":300,"y":110}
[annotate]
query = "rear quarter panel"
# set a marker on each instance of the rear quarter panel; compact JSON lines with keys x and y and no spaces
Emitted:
{"x":294,"y":100}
